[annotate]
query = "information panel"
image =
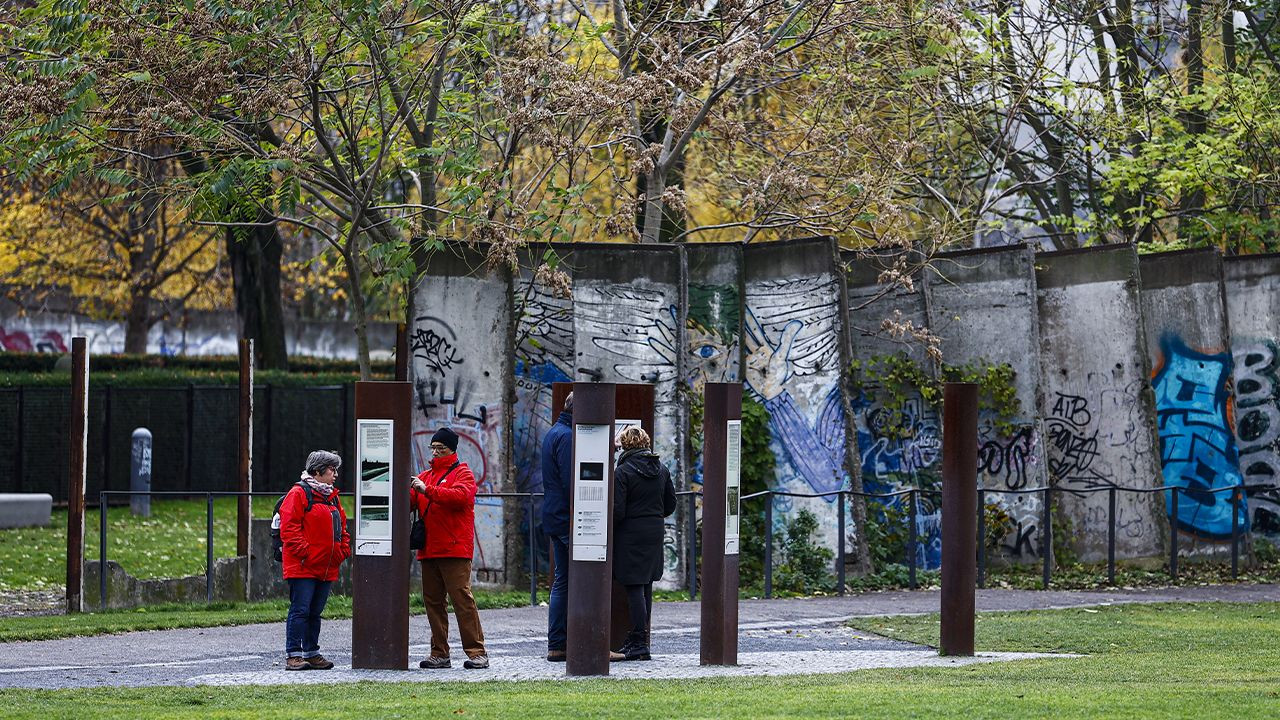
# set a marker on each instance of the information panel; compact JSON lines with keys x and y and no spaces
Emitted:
{"x":733,"y":484}
{"x":592,"y":446}
{"x":373,"y":488}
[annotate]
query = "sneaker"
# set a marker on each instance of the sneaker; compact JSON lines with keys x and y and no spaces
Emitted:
{"x":317,"y":662}
{"x":479,"y":662}
{"x":555,"y":656}
{"x":296,"y":663}
{"x":435,"y":663}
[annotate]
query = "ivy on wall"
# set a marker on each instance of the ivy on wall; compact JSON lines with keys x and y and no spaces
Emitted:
{"x":892,"y":381}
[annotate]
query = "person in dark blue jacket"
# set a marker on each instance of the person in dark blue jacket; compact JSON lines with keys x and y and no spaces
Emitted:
{"x":557,"y":478}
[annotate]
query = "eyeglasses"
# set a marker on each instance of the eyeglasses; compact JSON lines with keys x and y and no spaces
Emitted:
{"x":438,"y":447}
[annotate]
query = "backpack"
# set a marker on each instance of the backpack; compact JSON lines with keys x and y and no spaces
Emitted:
{"x":277,"y":544}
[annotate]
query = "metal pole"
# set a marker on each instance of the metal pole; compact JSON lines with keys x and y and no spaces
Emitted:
{"x":959,"y":518}
{"x":533,"y":558}
{"x":1173,"y":536}
{"x":1111,"y":536}
{"x":768,"y":546}
{"x":208,"y":548}
{"x":840,"y":546}
{"x":102,"y":550}
{"x":719,"y":540}
{"x":1046,"y":539}
{"x":1236,"y":496}
{"x":691,"y":538}
{"x":402,"y":352}
{"x":77,"y":467}
{"x":982,"y":538}
{"x":912,"y":539}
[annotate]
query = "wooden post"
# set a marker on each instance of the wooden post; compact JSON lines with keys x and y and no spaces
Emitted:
{"x":721,"y":486}
{"x":79,"y":440}
{"x":591,"y":531}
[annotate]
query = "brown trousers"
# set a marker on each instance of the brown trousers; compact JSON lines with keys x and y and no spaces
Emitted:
{"x":451,"y":577}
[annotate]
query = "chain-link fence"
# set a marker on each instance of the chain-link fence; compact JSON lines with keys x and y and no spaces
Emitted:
{"x":193,"y":428}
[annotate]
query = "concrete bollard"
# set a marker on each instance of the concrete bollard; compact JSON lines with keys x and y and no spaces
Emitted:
{"x":140,"y":472}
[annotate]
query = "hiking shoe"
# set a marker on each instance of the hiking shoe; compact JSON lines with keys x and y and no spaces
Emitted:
{"x":555,"y":656}
{"x":317,"y":662}
{"x":479,"y":662}
{"x":296,"y":663}
{"x":435,"y":663}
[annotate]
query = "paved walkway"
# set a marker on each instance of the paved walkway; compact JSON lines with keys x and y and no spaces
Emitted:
{"x":775,"y":637}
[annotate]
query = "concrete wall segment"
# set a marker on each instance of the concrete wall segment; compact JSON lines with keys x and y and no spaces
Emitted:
{"x":1099,"y":412}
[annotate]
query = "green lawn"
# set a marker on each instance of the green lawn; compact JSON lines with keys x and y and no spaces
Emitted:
{"x":170,"y":543}
{"x":1199,"y":661}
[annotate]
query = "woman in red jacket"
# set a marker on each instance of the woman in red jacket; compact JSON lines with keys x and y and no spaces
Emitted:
{"x":313,"y":531}
{"x":445,"y":497}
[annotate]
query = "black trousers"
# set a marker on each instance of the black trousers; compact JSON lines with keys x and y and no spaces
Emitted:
{"x":640,"y":602}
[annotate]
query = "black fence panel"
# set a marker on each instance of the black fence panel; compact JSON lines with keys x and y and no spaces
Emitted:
{"x":193,"y":430}
{"x":11,"y":449}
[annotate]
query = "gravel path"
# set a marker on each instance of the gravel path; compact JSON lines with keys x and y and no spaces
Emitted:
{"x":775,"y":637}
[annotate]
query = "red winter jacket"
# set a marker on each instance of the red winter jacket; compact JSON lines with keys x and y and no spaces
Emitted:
{"x":447,"y":509}
{"x":313,"y":546}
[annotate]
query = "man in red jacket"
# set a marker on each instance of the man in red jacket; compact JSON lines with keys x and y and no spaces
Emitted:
{"x":445,"y":496}
{"x":313,"y":532}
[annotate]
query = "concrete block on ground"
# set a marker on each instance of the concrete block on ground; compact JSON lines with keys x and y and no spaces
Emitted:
{"x":25,"y":510}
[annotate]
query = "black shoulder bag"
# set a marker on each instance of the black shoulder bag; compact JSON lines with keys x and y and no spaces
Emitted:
{"x":418,"y":530}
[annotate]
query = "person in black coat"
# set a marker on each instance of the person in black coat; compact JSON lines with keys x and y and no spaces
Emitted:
{"x":643,"y":496}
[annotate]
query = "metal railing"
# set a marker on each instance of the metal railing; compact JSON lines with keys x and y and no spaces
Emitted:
{"x":692,"y":535}
{"x":208,"y":554}
{"x":1046,"y":535}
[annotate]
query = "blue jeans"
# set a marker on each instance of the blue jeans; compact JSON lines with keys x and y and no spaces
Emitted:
{"x":558,"y":604}
{"x":307,"y":598}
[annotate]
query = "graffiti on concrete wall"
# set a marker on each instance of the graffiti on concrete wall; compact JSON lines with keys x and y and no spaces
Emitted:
{"x":1257,"y":414}
{"x":1197,"y":441}
{"x":713,"y":331}
{"x":792,"y":366}
{"x":453,"y":388}
{"x":631,"y":333}
{"x":544,"y":355}
{"x":899,"y":451}
{"x":1096,"y":439}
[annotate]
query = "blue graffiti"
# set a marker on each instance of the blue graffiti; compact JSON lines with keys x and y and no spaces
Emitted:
{"x":1197,"y":446}
{"x":896,"y":461}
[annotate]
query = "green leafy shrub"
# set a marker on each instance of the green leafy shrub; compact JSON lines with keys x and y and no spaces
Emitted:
{"x":806,"y":566}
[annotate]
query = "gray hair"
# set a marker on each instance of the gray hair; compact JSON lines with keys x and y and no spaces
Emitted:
{"x":568,"y":402}
{"x":318,"y":460}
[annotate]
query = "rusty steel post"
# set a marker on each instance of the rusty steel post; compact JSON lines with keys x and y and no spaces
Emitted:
{"x":959,"y":516}
{"x":380,"y":576}
{"x":721,"y":486}
{"x":591,"y":530}
{"x":78,"y":435}
{"x":244,"y":434}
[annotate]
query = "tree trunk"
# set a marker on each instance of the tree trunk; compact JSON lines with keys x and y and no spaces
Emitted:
{"x":1194,"y":121}
{"x":137,"y":325}
{"x":255,"y":255}
{"x":651,"y":229}
{"x":360,"y":315}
